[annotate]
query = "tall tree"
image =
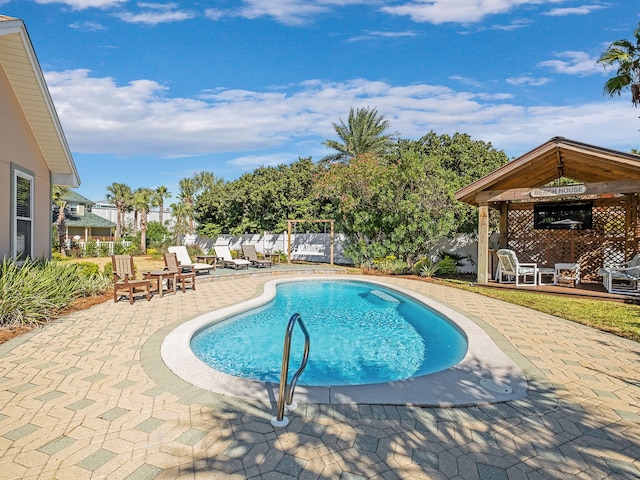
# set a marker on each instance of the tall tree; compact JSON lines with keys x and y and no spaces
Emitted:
{"x":161,"y":194}
{"x":188,"y":190}
{"x":364,"y":133}
{"x":626,"y":55}
{"x":180,"y":217}
{"x":142,"y":200}
{"x":61,"y":220}
{"x":120,"y":195}
{"x":402,"y":203}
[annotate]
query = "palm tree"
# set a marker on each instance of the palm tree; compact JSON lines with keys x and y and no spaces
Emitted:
{"x":363,"y":133}
{"x":142,"y":199}
{"x":204,"y":180}
{"x":180,"y":216}
{"x":120,"y":195}
{"x":61,"y":221}
{"x":627,"y":56}
{"x":188,"y":190}
{"x":161,"y":194}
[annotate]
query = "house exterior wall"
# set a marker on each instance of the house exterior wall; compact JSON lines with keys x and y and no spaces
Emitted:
{"x":20,"y":151}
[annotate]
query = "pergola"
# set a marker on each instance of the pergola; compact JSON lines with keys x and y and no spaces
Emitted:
{"x":609,"y":179}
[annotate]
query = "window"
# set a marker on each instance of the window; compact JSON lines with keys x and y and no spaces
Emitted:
{"x":23,"y":215}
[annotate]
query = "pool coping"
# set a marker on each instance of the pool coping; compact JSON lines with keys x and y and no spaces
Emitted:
{"x":485,"y":375}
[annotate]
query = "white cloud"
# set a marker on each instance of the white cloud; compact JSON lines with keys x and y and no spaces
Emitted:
{"x":292,"y":12}
{"x":372,"y":35}
{"x":456,"y":11}
{"x":251,"y":162}
{"x":528,"y":81}
{"x":578,"y":63}
{"x":88,"y":26}
{"x":582,"y":10}
{"x":156,"y":13}
{"x":214,"y":14}
{"x":141,"y":118}
{"x":82,"y":4}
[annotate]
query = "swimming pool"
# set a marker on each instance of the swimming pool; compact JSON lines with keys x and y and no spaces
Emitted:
{"x":485,"y":375}
{"x":360,"y":334}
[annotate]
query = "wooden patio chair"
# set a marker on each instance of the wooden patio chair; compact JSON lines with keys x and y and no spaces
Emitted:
{"x":249,"y":253}
{"x":509,"y":266}
{"x":124,"y":279}
{"x":186,"y":275}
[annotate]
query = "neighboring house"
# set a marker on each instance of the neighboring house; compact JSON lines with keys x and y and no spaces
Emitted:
{"x":82,"y":223}
{"x":105,"y":209}
{"x":34,"y":154}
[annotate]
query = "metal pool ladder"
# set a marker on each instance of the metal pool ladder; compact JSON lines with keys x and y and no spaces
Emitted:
{"x":286,"y":393}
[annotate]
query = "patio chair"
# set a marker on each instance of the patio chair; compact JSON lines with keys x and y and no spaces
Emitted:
{"x":622,"y":278}
{"x":509,"y":267}
{"x":184,"y":260}
{"x":249,"y":252}
{"x":222,"y":251}
{"x":186,"y":275}
{"x":124,"y":279}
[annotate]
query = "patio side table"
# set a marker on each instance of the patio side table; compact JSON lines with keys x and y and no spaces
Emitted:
{"x":568,"y":272}
{"x":160,"y":277}
{"x":548,"y":272}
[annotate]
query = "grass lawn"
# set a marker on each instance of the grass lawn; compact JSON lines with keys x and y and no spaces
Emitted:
{"x":618,"y":318}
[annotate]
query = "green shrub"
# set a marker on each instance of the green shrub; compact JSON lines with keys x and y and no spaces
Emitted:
{"x":103,"y":249}
{"x":417,"y":267}
{"x":133,"y":249}
{"x":391,"y":265}
{"x":118,"y":248}
{"x":88,"y":269}
{"x":194,"y":251}
{"x":91,"y":249}
{"x":108,"y":270}
{"x":447,"y":266}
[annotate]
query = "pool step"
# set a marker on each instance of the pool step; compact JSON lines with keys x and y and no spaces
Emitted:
{"x":384,"y":296}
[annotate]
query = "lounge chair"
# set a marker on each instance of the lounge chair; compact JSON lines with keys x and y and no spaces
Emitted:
{"x":509,"y":267}
{"x":184,"y":260}
{"x":186,"y":275}
{"x":124,"y":279}
{"x":223,"y":252}
{"x":622,"y":278}
{"x":249,"y":252}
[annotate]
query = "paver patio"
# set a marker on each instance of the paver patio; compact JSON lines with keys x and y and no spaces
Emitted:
{"x":88,"y":397}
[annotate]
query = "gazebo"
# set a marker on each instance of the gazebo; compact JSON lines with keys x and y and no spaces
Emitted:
{"x":564,"y":201}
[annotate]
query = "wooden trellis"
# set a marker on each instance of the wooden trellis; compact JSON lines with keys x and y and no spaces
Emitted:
{"x":609,"y":241}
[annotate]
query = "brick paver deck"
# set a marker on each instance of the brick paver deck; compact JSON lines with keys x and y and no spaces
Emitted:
{"x":89,"y":397}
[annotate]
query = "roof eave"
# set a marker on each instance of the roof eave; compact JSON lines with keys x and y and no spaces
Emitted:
{"x":67,"y":176}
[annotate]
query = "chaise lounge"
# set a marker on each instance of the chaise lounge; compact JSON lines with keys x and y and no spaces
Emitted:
{"x":184,"y":260}
{"x":223,"y":252}
{"x":249,"y":252}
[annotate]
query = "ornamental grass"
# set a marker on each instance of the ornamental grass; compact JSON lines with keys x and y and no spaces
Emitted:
{"x":35,"y":291}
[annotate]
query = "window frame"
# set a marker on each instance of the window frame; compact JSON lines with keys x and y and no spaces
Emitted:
{"x":16,"y":173}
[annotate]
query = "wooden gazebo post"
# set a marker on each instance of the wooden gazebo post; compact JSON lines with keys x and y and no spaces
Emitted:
{"x":483,"y":244}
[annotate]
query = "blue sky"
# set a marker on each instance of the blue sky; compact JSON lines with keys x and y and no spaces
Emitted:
{"x":152,"y":92}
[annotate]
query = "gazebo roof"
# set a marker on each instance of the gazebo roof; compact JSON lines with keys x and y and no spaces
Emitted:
{"x":559,"y":157}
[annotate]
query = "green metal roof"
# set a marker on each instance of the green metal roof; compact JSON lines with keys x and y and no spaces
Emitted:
{"x":89,"y":219}
{"x":73,"y":197}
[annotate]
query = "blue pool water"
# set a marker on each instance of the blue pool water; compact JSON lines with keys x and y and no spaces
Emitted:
{"x":361,"y":333}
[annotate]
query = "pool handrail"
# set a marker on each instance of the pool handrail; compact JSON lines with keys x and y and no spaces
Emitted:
{"x":286,"y":393}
